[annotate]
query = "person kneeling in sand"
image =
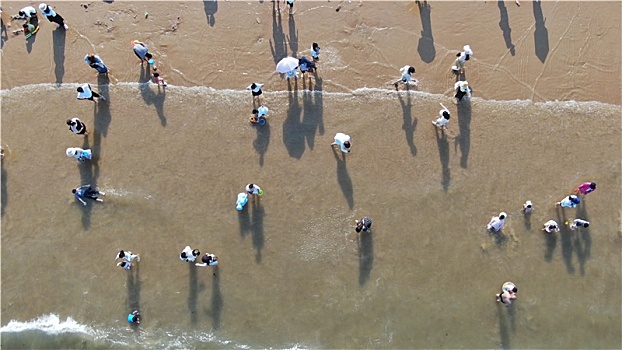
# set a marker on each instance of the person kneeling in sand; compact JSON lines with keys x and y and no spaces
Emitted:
{"x":551,"y":226}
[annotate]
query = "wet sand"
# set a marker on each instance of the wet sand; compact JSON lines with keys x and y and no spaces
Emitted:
{"x":293,"y":271}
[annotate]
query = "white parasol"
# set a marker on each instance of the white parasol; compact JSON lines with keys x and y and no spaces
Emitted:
{"x":287,"y":64}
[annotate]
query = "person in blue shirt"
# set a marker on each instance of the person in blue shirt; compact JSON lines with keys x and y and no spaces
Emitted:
{"x":134,"y":317}
{"x":96,"y":63}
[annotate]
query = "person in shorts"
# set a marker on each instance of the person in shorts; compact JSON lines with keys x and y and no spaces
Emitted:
{"x":255,"y":89}
{"x":77,"y":126}
{"x":407,"y":72}
{"x":52,"y":16}
{"x":86,"y":93}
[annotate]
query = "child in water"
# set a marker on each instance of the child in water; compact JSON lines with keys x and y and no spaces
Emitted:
{"x":157,"y":79}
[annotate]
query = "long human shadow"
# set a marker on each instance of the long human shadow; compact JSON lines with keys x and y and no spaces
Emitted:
{"x":157,"y":100}
{"x":4,"y":193}
{"x":4,"y":35}
{"x":257,"y":217}
{"x":210,"y":7}
{"x":425,"y":47}
{"x":193,"y":292}
{"x":504,"y":24}
{"x":551,"y":243}
{"x":29,"y":42}
{"x":292,"y":38}
{"x":58,"y":42}
{"x":89,"y":172}
{"x":293,"y":135}
{"x":278,"y":45}
{"x":366,"y":256}
{"x":541,"y":35}
{"x":463,"y":140}
{"x":410,"y":125}
{"x":443,"y":153}
{"x":582,"y":239}
{"x":102,"y":116}
{"x":566,"y":241}
{"x":215,"y":311}
{"x":527,"y":221}
{"x":133,"y":290}
{"x":312,"y":106}
{"x":343,"y":177}
{"x":504,"y":329}
{"x":262,"y":141}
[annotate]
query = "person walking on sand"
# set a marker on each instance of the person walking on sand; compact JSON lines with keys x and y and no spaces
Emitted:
{"x":363,"y":225}
{"x":134,"y":317}
{"x":96,"y":63}
{"x":508,"y":294}
{"x":497,"y":222}
{"x":569,"y":201}
{"x":315,"y":52}
{"x":463,"y":56}
{"x":141,"y":51}
{"x":462,"y":89}
{"x":157,"y":79}
{"x":406,"y":79}
{"x":79,"y":153}
{"x":551,"y":226}
{"x":527,"y":207}
{"x":253,"y":189}
{"x":290,"y":3}
{"x":189,"y":254}
{"x":586,"y":188}
{"x":578,"y":223}
{"x":208,"y":260}
{"x":255,"y":89}
{"x":443,"y":120}
{"x":126,"y":255}
{"x":52,"y":16}
{"x":85,"y":92}
{"x":77,"y":126}
{"x":86,"y":191}
{"x":343,"y":141}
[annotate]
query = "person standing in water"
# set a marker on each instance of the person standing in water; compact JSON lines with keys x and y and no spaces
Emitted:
{"x":363,"y":225}
{"x":407,"y":72}
{"x":134,"y":317}
{"x":497,"y":222}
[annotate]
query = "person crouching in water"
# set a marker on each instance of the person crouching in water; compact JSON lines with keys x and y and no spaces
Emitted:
{"x":363,"y":225}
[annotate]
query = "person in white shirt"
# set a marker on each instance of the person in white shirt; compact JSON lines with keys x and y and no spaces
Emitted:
{"x":79,"y":153}
{"x":254,"y":189}
{"x":407,"y":72}
{"x":343,"y":141}
{"x":77,"y":126}
{"x":315,"y":52}
{"x":26,"y":12}
{"x":126,"y":255}
{"x":551,"y":226}
{"x":443,"y":119}
{"x":208,"y":260}
{"x":52,"y":16}
{"x":578,"y":223}
{"x":86,"y":93}
{"x":527,"y":207}
{"x":497,"y":222}
{"x":462,"y":89}
{"x":189,"y":254}
{"x":463,"y":56}
{"x":255,"y":89}
{"x":125,"y":264}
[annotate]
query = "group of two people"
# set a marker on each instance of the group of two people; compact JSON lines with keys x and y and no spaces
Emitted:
{"x":190,"y":255}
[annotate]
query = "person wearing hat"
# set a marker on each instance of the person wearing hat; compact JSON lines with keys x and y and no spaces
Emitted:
{"x":497,"y":222}
{"x":578,"y":223}
{"x":551,"y":226}
{"x":585,"y":188}
{"x":407,"y":72}
{"x":79,"y":153}
{"x":443,"y":120}
{"x":141,"y":51}
{"x":343,"y":141}
{"x":189,"y":254}
{"x":77,"y":126}
{"x":86,"y":191}
{"x":86,"y":93}
{"x":462,"y":89}
{"x":126,"y":255}
{"x":508,"y":294}
{"x":208,"y":260}
{"x":52,"y":16}
{"x":569,"y":201}
{"x":527,"y":207}
{"x":315,"y":52}
{"x":134,"y":317}
{"x":463,"y":56}
{"x":96,"y":63}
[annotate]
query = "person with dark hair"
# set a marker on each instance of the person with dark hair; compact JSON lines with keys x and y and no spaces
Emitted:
{"x":86,"y":93}
{"x":255,"y":89}
{"x":52,"y":16}
{"x":578,"y":223}
{"x":363,"y":225}
{"x":189,"y":254}
{"x":443,"y":119}
{"x":305,"y":65}
{"x":497,"y":222}
{"x":141,"y":51}
{"x":208,"y":260}
{"x":134,"y":317}
{"x":551,"y":226}
{"x":77,"y":126}
{"x":343,"y":141}
{"x":407,"y":72}
{"x":126,"y":255}
{"x":586,"y":188}
{"x":569,"y":201}
{"x":86,"y":191}
{"x":463,"y":56}
{"x":315,"y":52}
{"x":96,"y":63}
{"x":252,"y":189}
{"x":508,"y":294}
{"x":157,"y":79}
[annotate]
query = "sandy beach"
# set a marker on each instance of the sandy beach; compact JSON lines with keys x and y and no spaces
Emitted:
{"x":293,"y":273}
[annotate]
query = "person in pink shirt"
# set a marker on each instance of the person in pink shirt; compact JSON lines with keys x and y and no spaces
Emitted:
{"x":586,"y":187}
